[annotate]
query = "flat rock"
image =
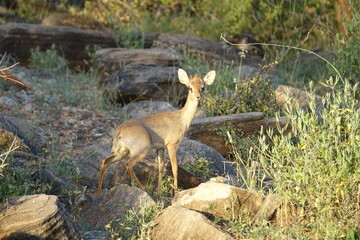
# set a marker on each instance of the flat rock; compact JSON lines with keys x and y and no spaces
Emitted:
{"x":113,"y":59}
{"x":114,"y":203}
{"x":18,"y":38}
{"x":178,"y":223}
{"x":226,"y":201}
{"x":146,"y":107}
{"x":205,"y":130}
{"x":35,"y":217}
{"x":212,"y":50}
{"x":140,"y":81}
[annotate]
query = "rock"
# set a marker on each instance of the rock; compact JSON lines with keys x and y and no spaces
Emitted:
{"x":8,"y":102}
{"x":226,"y":201}
{"x":212,"y":50}
{"x":177,"y":223}
{"x":31,"y":136}
{"x":89,"y":159}
{"x":67,"y":19}
{"x":35,"y":217}
{"x":113,"y":59}
{"x":146,"y":107}
{"x":205,"y":130}
{"x":96,"y":235}
{"x":219,"y":199}
{"x":115,"y":203}
{"x":298,"y":96}
{"x":19,"y":38}
{"x":140,"y":81}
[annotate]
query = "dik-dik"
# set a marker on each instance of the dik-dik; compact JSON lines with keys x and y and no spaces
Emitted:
{"x":138,"y":137}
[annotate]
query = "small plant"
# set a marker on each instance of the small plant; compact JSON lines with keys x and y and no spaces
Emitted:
{"x":48,"y":59}
{"x":133,"y":225}
{"x":200,"y":168}
{"x":241,"y":95}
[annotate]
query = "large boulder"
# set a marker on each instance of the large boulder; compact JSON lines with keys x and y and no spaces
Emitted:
{"x":140,"y":81}
{"x":212,"y":50}
{"x":146,"y":107}
{"x":226,"y":201}
{"x":113,"y":59}
{"x":35,"y":217}
{"x":18,"y":38}
{"x":114,"y":203}
{"x":206,"y":130}
{"x":178,"y":223}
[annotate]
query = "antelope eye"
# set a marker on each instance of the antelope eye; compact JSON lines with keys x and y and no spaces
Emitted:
{"x":190,"y":89}
{"x":202,"y":89}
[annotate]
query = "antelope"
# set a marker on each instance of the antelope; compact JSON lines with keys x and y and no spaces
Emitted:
{"x":137,"y":137}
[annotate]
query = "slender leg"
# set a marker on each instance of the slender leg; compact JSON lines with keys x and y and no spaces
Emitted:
{"x":161,"y":165}
{"x":172,"y":155}
{"x":105,"y":163}
{"x":129,"y":166}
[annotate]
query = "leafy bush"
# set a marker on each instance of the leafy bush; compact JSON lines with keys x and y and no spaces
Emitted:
{"x":348,"y":51}
{"x":200,"y":168}
{"x":133,"y":225}
{"x":246,"y":95}
{"x":49,"y":59}
{"x":318,"y":164}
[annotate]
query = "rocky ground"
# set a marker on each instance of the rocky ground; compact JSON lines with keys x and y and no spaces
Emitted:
{"x":65,"y":131}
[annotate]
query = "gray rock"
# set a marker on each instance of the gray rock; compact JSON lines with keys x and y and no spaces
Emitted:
{"x":177,"y":223}
{"x":8,"y":102}
{"x":36,"y":217}
{"x":145,"y":108}
{"x":114,"y":203}
{"x":140,"y":81}
{"x":212,"y":50}
{"x":225,"y":201}
{"x":113,"y":59}
{"x":96,"y":235}
{"x":205,"y":130}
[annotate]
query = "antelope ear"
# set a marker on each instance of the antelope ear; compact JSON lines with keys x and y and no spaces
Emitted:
{"x":183,"y":77}
{"x":209,"y":77}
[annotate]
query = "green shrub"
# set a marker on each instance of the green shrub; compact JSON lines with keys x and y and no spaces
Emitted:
{"x":18,"y":181}
{"x":200,"y":168}
{"x":318,"y":164}
{"x":133,"y":225}
{"x":48,"y":60}
{"x":348,"y":51}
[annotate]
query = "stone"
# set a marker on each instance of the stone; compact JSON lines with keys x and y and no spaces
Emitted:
{"x":205,"y":130}
{"x":140,"y":81}
{"x":8,"y":102}
{"x":146,"y":107}
{"x":18,"y":38}
{"x":96,"y":235}
{"x":212,"y":50}
{"x":299,"y":97}
{"x":220,"y":199}
{"x":36,"y":217}
{"x":113,"y":59}
{"x":32,"y":137}
{"x":178,"y":223}
{"x":114,"y":203}
{"x":226,"y":201}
